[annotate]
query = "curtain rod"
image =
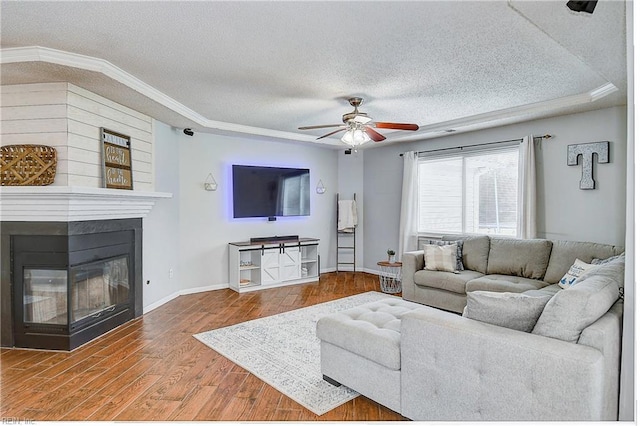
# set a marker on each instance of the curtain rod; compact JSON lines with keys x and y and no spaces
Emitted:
{"x":547,"y":136}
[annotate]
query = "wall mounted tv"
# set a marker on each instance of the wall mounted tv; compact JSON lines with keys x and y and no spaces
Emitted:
{"x":270,"y":191}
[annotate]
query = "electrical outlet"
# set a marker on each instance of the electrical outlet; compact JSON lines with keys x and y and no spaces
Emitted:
{"x":170,"y":273}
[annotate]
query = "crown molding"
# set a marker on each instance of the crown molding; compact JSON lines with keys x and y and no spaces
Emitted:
{"x":536,"y":109}
{"x":74,"y":60}
{"x":89,"y":63}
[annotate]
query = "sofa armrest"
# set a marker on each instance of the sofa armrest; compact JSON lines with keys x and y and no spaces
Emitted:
{"x":455,"y":368}
{"x":412,"y":261}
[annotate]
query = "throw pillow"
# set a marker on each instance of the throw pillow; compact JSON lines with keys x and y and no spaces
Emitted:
{"x":616,"y":258}
{"x":572,"y":310}
{"x":578,"y":268}
{"x":612,"y":267}
{"x":459,"y":265}
{"x":440,"y":258}
{"x":511,"y":310}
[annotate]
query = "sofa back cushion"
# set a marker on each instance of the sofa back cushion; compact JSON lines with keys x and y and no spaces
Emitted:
{"x":475,"y":251}
{"x":523,"y":258}
{"x":517,"y":311}
{"x":572,"y":310}
{"x":564,"y":253}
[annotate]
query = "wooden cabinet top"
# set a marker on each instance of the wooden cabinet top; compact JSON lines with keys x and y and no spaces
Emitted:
{"x":301,"y":241}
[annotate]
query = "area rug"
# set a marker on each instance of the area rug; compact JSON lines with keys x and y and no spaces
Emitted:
{"x":283,"y":351}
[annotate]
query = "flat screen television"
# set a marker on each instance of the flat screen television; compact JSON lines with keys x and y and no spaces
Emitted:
{"x":270,"y":191}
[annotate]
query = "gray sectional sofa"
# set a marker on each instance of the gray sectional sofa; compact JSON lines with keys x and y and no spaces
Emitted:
{"x":430,"y":364}
{"x":495,"y":264}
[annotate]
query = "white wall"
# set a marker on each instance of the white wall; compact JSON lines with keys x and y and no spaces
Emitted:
{"x":69,"y":118}
{"x":196,"y":225}
{"x":206,"y":218}
{"x":564,"y":211}
{"x":160,"y":229}
{"x":350,"y":171}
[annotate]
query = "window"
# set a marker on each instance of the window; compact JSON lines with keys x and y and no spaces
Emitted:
{"x":470,"y":192}
{"x":295,"y":195}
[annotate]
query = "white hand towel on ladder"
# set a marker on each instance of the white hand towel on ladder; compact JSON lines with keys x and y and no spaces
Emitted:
{"x":347,"y":215}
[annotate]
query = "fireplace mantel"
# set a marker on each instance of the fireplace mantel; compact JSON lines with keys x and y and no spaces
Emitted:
{"x":73,"y":203}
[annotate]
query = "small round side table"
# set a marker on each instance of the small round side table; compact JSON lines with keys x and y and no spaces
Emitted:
{"x":390,"y":277}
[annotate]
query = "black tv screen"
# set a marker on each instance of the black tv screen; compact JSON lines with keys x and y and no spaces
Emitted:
{"x":270,"y":191}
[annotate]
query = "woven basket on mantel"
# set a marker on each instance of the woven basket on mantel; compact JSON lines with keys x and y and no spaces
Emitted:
{"x":22,"y":165}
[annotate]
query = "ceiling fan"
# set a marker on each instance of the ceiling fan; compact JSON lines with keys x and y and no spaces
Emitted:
{"x":359,"y":128}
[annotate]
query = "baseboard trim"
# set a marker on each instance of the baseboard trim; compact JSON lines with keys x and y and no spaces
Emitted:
{"x":169,"y":298}
{"x":204,"y":288}
{"x":358,"y":269}
{"x":183,"y":292}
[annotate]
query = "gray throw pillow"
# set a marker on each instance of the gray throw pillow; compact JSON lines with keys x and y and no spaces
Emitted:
{"x":572,"y":310}
{"x":617,"y":258}
{"x":510,"y":310}
{"x":459,"y":265}
{"x":612,"y":267}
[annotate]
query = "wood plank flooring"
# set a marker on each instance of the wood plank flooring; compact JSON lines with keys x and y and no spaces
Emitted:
{"x":153,"y":369}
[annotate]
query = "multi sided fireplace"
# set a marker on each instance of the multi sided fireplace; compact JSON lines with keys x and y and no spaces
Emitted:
{"x":71,"y":282}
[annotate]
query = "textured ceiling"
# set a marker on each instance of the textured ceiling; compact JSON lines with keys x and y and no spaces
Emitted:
{"x":260,"y":67}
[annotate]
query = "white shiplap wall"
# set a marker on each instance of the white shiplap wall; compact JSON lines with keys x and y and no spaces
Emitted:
{"x":69,"y":118}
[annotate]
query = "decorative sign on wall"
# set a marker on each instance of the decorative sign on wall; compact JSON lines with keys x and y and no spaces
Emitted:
{"x":601,"y":149}
{"x":116,"y":156}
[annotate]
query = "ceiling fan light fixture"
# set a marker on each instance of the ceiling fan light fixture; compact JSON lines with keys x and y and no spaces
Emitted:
{"x":355,"y":137}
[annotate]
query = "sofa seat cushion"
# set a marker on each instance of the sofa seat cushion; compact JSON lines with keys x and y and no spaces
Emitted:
{"x":508,"y":283}
{"x":454,"y":282}
{"x":524,"y":258}
{"x":371,"y":330}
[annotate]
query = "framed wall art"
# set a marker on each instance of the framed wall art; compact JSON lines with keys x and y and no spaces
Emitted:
{"x":116,"y":160}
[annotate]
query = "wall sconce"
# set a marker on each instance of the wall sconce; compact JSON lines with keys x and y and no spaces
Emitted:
{"x":320,"y":189}
{"x":210,"y":183}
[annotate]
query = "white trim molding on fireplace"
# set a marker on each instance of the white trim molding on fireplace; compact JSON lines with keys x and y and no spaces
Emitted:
{"x":74,"y":203}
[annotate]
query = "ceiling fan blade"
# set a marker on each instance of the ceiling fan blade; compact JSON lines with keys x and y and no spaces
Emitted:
{"x":321,"y":126}
{"x":375,"y":136}
{"x":332,"y":133}
{"x":397,"y":126}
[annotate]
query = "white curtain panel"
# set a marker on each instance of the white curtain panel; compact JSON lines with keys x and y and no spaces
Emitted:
{"x":527,"y":189}
{"x":409,"y":205}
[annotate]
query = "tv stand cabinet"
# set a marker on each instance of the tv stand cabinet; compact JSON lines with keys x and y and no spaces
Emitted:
{"x":267,"y":264}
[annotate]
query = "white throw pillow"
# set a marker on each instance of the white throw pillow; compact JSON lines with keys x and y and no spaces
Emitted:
{"x":440,"y":258}
{"x":459,"y":264}
{"x":578,"y":268}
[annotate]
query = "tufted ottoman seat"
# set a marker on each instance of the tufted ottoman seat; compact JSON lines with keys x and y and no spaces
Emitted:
{"x":360,"y":348}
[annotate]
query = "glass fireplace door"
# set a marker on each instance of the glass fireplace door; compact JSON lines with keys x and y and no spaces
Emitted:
{"x":45,"y":296}
{"x":99,"y":287}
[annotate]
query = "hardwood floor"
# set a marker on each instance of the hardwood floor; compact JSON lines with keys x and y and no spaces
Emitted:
{"x":153,"y":369}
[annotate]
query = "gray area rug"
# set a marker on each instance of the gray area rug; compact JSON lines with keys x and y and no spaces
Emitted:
{"x":283,"y":351}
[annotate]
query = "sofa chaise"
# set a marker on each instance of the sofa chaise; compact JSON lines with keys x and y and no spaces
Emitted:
{"x":430,"y":364}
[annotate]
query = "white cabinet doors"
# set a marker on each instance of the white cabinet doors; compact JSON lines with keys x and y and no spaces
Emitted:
{"x":290,"y":264}
{"x":280,"y":264}
{"x":270,"y":266}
